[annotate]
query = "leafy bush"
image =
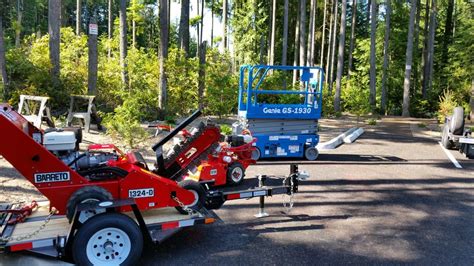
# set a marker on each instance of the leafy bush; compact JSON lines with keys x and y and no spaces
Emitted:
{"x":371,"y":122}
{"x":447,"y":103}
{"x":226,"y":130}
{"x":124,"y":123}
{"x":355,"y":98}
{"x":221,"y":94}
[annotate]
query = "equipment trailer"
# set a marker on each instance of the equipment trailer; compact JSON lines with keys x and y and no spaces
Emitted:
{"x":110,"y":237}
{"x":104,"y":205}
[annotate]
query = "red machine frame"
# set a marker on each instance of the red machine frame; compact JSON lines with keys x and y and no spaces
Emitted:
{"x":20,"y":145}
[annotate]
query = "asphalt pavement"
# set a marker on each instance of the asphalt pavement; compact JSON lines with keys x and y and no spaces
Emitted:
{"x":391,"y":197}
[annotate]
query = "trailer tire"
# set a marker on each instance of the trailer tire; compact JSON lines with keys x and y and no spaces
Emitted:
{"x":235,"y":174}
{"x":197,"y":190}
{"x":311,"y":153}
{"x":456,"y":125}
{"x":445,"y":141}
{"x":92,"y":245}
{"x":86,"y":194}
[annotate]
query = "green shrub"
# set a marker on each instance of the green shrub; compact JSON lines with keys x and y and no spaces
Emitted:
{"x":226,"y":130}
{"x":447,"y":103}
{"x":124,"y":123}
{"x":371,"y":122}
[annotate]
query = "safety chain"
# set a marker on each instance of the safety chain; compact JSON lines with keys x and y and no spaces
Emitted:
{"x":184,"y":207}
{"x":4,"y":240}
{"x":288,"y":205}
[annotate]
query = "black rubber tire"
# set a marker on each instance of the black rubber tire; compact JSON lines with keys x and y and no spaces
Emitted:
{"x":102,"y":221}
{"x":456,"y":125}
{"x":256,"y":154}
{"x":193,"y":186}
{"x":235,"y":166}
{"x":311,"y":153}
{"x":85,"y":193}
{"x":214,"y":204}
{"x":445,"y":141}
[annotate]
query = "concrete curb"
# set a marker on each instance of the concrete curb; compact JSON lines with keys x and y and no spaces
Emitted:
{"x":333,"y":143}
{"x":352,"y":137}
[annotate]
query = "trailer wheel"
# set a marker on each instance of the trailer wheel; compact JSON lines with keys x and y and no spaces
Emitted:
{"x":457,"y":121}
{"x":235,"y":174}
{"x":445,"y":141}
{"x":256,"y":154}
{"x":199,"y":195}
{"x":84,"y":195}
{"x":108,"y":239}
{"x":311,"y":153}
{"x":214,"y":204}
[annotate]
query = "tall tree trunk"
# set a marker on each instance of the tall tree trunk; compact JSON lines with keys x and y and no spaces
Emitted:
{"x":431,"y":41}
{"x":311,"y":31}
{"x":78,"y":16}
{"x":285,"y":35}
{"x":425,"y":50}
{"x":93,"y":60}
{"x":416,"y":46}
{"x":19,"y":13}
{"x":448,"y":35}
{"x":198,"y":32}
{"x":123,"y":42}
{"x":272,"y":41}
{"x":202,"y":74}
{"x":134,"y":22}
{"x":351,"y":46}
{"x":54,"y":26}
{"x":323,"y":38}
{"x":369,"y":6}
{"x":302,"y":32}
{"x":110,"y":26}
{"x":373,"y":31}
{"x":297,"y":45}
{"x":3,"y":70}
{"x":202,"y":22}
{"x":340,"y":58}
{"x":409,"y":54}
{"x":383,"y":103}
{"x":224,"y":25}
{"x":329,"y":53}
{"x":212,"y":23}
{"x":333,"y":46}
{"x":184,"y":27}
{"x":164,"y":37}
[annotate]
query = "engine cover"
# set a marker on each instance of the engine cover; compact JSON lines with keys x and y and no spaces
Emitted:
{"x":60,"y":141}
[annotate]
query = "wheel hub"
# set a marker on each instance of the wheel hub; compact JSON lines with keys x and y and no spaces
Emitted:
{"x":109,"y":246}
{"x":236,"y":174}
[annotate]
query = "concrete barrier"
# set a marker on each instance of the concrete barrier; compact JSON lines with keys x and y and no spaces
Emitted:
{"x":333,"y":143}
{"x":354,"y":135}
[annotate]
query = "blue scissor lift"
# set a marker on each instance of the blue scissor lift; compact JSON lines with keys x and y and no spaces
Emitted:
{"x":284,"y":119}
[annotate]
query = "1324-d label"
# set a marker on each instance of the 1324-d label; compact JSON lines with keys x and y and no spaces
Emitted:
{"x":141,"y":193}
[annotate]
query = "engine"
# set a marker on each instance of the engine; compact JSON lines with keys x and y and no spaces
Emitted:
{"x":65,"y":145}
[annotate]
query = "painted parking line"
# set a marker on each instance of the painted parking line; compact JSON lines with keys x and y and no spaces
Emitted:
{"x":450,"y":156}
